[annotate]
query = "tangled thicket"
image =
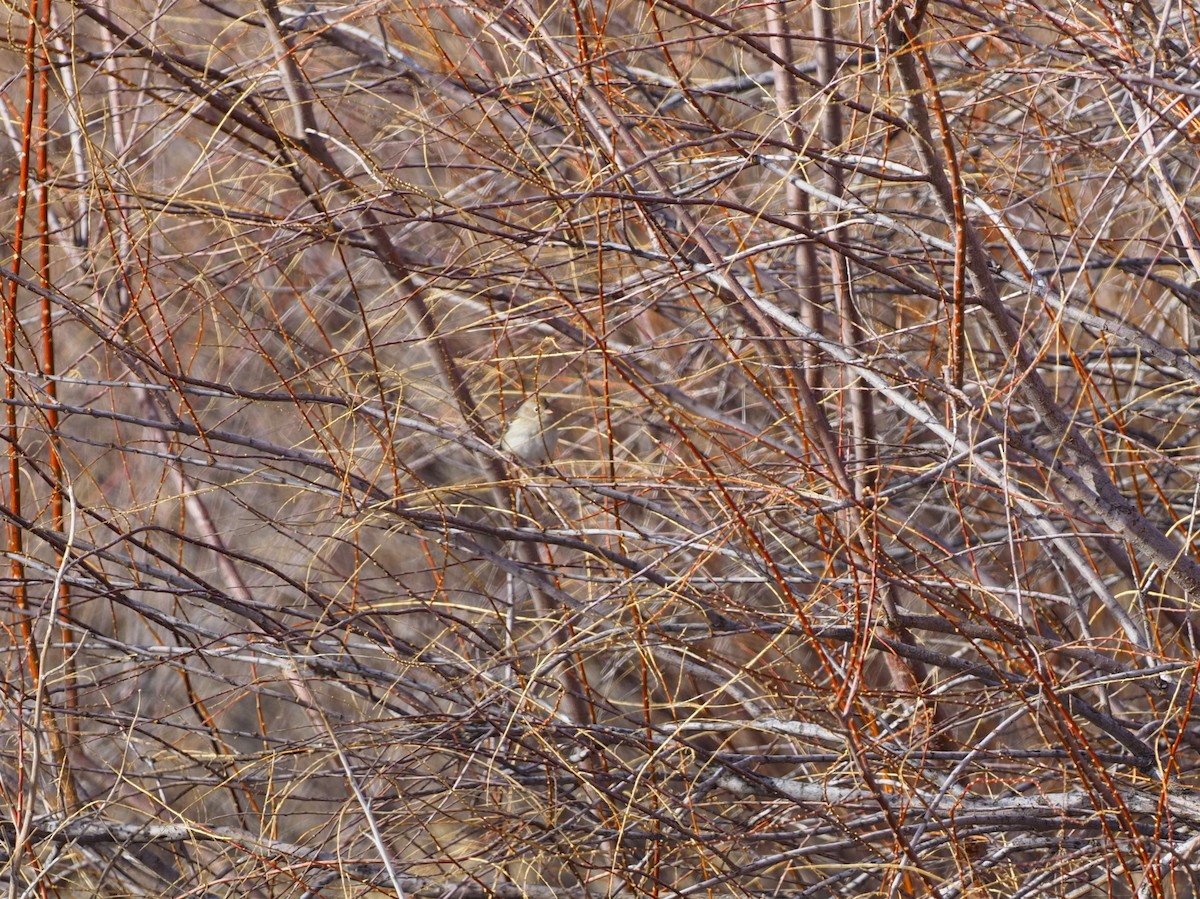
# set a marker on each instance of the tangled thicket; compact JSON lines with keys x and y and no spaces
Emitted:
{"x":866,"y":561}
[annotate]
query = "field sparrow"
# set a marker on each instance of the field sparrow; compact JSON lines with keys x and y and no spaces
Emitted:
{"x":532,"y":432}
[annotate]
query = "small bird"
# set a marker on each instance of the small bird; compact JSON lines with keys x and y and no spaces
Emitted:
{"x":532,"y":433}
